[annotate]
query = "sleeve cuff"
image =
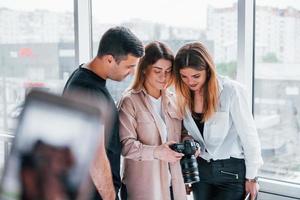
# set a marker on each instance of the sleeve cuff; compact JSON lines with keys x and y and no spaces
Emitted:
{"x":148,"y":152}
{"x":251,"y":172}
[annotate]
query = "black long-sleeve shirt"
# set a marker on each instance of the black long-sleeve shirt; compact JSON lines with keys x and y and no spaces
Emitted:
{"x":94,"y":86}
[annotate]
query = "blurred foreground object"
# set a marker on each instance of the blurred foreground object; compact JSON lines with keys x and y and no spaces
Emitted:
{"x":56,"y":139}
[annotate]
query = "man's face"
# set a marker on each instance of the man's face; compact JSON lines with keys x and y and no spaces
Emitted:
{"x":121,"y":70}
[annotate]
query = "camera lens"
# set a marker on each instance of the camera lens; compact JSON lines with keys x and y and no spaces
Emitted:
{"x":189,"y":167}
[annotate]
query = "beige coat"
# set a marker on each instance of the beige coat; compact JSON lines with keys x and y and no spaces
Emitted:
{"x":145,"y":177}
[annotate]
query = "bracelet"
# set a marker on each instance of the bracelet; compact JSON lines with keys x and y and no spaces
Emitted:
{"x":254,"y":180}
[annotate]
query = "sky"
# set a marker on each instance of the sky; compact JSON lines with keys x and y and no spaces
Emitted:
{"x":188,"y":13}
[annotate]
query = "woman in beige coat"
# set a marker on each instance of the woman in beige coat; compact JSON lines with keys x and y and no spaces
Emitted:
{"x":149,"y":123}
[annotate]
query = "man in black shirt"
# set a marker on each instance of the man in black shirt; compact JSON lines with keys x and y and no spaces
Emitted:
{"x":118,"y":53}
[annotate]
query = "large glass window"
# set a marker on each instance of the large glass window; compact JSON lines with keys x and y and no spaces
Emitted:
{"x":174,"y":22}
{"x":36,"y":51}
{"x":277,"y":87}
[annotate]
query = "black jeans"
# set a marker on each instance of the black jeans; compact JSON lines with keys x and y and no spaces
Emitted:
{"x":220,"y":180}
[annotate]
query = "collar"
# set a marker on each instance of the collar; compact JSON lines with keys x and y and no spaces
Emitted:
{"x":164,"y":95}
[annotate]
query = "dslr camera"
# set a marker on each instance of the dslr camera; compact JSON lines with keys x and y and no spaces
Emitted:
{"x":188,"y":162}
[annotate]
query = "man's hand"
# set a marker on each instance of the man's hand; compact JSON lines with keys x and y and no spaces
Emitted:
{"x":101,"y":173}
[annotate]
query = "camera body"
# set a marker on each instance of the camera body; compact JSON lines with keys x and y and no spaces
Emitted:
{"x":188,"y":162}
{"x":188,"y":147}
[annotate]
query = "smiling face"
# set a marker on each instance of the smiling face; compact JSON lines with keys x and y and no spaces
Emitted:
{"x":194,"y":79}
{"x":158,"y":76}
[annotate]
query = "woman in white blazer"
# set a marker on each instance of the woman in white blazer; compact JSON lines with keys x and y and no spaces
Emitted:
{"x":217,"y":115}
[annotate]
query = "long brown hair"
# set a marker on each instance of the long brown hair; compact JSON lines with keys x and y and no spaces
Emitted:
{"x":195,"y":55}
{"x":153,"y":52}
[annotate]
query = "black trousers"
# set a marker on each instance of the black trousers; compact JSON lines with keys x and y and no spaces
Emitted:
{"x":171,"y":193}
{"x":220,"y":180}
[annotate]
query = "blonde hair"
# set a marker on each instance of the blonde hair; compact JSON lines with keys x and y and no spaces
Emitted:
{"x":153,"y":52}
{"x":195,"y":55}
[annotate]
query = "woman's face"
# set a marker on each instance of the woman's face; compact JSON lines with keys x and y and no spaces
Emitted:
{"x":158,"y":75}
{"x":193,"y":78}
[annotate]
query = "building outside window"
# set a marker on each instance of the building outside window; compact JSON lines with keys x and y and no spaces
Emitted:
{"x":36,"y":51}
{"x":212,"y":22}
{"x":277,"y":87}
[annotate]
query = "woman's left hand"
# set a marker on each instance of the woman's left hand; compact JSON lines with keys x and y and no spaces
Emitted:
{"x":252,"y":188}
{"x":197,"y":153}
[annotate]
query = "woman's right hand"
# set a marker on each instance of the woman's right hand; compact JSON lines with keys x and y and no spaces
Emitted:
{"x":165,"y":153}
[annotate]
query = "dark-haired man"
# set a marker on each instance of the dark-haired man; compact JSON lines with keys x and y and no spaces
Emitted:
{"x":118,"y":53}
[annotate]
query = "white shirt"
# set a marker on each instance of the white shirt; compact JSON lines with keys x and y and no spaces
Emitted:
{"x":231,"y":131}
{"x":156,"y":105}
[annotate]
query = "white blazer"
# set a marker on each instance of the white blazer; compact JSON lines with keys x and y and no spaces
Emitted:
{"x":231,"y":131}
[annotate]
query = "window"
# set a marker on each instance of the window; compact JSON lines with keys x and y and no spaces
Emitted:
{"x":277,"y":87}
{"x":37,"y":51}
{"x":174,"y":22}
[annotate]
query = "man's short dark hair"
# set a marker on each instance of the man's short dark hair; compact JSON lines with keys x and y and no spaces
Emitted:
{"x":119,"y":42}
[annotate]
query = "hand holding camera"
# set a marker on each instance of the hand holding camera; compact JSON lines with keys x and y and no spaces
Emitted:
{"x":189,"y":165}
{"x":165,"y":153}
